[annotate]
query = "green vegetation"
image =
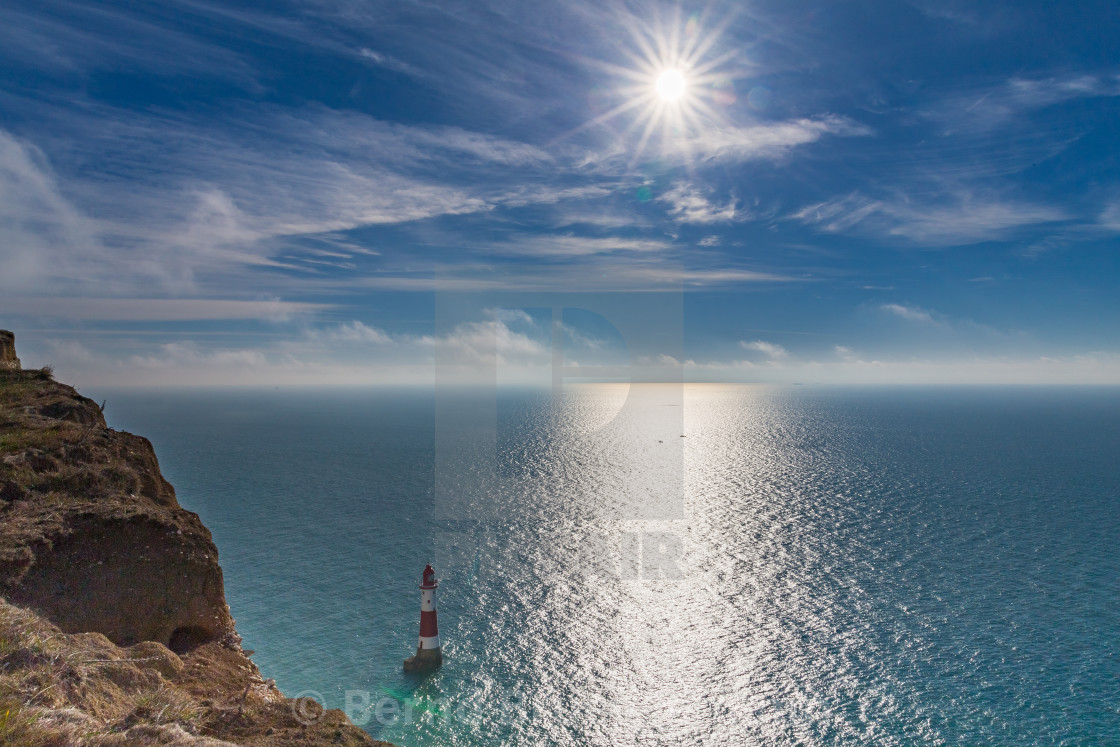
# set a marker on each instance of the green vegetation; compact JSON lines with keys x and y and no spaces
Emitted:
{"x":18,"y":725}
{"x":16,"y":439}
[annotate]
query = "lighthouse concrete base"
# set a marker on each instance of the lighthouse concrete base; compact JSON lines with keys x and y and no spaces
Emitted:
{"x":426,"y":660}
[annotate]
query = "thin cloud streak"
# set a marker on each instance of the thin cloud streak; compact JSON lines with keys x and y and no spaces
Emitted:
{"x":909,"y":313}
{"x":772,"y":351}
{"x":966,"y":220}
{"x":993,"y":106}
{"x":155,"y":309}
{"x":687,"y":204}
{"x":770,"y":140}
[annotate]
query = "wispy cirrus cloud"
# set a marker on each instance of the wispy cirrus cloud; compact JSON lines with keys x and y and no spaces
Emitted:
{"x":990,"y":106}
{"x":83,"y":38}
{"x":772,"y":351}
{"x":960,"y":183}
{"x":1091,"y":368}
{"x":1109,"y":218}
{"x":909,"y":313}
{"x":155,"y":309}
{"x":350,"y":353}
{"x":41,"y":232}
{"x":389,"y":61}
{"x":952,"y":220}
{"x":585,"y":273}
{"x":573,"y":246}
{"x":331,"y":358}
{"x":767,"y":140}
{"x":217,"y":199}
{"x":688,"y":204}
{"x":717,"y":143}
{"x":354,"y":332}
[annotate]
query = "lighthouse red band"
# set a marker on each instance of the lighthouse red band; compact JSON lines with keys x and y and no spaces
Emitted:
{"x":429,"y":630}
{"x":428,"y":656}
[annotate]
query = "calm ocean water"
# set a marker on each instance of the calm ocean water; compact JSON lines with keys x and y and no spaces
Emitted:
{"x":809,"y":566}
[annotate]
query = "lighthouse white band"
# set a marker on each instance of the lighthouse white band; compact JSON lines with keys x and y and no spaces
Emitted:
{"x":429,"y":642}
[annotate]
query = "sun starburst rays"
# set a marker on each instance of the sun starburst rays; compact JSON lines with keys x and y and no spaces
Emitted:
{"x":668,"y":84}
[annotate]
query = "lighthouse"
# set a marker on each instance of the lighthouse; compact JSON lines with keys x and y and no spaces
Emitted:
{"x":428,"y":656}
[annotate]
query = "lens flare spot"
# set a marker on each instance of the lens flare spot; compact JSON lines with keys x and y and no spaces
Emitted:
{"x":723,"y":91}
{"x":671,"y":85}
{"x":692,"y":27}
{"x":759,"y":98}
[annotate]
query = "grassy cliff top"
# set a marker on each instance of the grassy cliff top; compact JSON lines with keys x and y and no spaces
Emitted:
{"x":113,"y":624}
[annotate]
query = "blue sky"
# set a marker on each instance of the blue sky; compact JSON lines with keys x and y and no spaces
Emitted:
{"x":289,"y":192}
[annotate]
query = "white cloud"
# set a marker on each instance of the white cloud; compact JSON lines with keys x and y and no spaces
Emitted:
{"x":971,"y":222}
{"x":1094,"y":368}
{"x":207,"y":199}
{"x":909,"y":313}
{"x":471,"y":352}
{"x":184,"y":234}
{"x":509,"y":316}
{"x":76,"y":41}
{"x":772,"y":351}
{"x":589,"y":273}
{"x":487,"y":343}
{"x":770,"y":140}
{"x":41,"y":232}
{"x":356,"y":332}
{"x":388,"y":61}
{"x":687,"y":204}
{"x":351,"y":353}
{"x":189,"y":356}
{"x":988,"y":107}
{"x":548,"y":195}
{"x":840,"y":213}
{"x":572,"y":246}
{"x":1110,"y":217}
{"x":154,"y":309}
{"x":961,"y":219}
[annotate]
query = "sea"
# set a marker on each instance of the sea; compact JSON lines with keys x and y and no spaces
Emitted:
{"x":669,"y":565}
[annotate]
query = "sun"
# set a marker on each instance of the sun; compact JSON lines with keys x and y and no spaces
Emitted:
{"x":671,"y":85}
{"x":671,"y":82}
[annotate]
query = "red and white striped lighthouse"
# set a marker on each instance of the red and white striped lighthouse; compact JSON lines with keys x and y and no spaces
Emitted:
{"x":428,"y":655}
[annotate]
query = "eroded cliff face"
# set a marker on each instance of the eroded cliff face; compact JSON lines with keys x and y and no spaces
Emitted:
{"x":91,"y":535}
{"x":82,"y":690}
{"x":114,"y":629}
{"x":8,"y":359}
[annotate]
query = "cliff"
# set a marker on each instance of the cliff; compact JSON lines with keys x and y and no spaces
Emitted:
{"x":114,"y":627}
{"x":8,"y":359}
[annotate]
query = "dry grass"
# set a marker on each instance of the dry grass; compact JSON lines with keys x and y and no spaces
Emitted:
{"x":16,"y":385}
{"x":15,"y":439}
{"x":31,"y":665}
{"x":81,"y":691}
{"x":166,"y":705}
{"x":64,"y":473}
